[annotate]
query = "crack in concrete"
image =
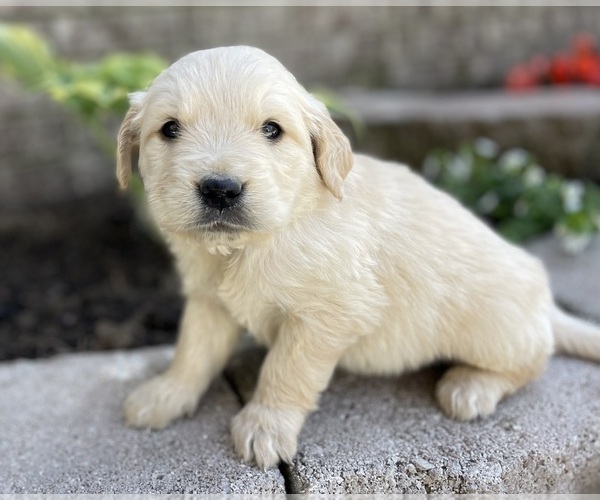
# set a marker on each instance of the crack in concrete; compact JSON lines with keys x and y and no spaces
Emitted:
{"x":291,"y":482}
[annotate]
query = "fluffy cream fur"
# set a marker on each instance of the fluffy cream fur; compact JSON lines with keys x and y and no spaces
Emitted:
{"x":339,"y":260}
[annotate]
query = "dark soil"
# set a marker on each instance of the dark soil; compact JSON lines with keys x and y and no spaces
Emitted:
{"x":84,"y":275}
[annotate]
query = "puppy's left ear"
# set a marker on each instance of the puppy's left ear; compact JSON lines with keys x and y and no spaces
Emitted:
{"x":129,"y":138}
{"x":331,"y":148}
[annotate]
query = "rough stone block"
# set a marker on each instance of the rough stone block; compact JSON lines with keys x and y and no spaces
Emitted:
{"x":388,"y":435}
{"x":62,"y":432}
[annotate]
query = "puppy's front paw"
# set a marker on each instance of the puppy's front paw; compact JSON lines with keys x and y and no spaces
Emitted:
{"x":265,"y":434}
{"x":158,"y":402}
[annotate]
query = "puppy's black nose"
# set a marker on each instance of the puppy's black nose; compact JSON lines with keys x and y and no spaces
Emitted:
{"x":219,"y":192}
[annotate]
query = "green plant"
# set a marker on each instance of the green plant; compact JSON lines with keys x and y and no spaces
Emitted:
{"x":95,"y":92}
{"x":515,"y":194}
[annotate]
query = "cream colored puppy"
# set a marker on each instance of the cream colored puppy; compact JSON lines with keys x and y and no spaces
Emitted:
{"x":328,"y":258}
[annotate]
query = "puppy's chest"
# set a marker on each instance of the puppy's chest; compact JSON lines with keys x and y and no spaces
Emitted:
{"x":250,"y":306}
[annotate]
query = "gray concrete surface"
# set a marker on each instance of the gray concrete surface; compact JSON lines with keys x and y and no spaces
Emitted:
{"x":377,"y":435}
{"x":61,"y":430}
{"x":575,"y":279}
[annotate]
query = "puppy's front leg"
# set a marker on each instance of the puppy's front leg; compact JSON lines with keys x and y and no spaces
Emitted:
{"x":297,"y":368}
{"x":207,"y":337}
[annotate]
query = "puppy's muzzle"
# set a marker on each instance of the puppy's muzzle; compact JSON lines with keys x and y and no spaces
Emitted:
{"x":220,"y":192}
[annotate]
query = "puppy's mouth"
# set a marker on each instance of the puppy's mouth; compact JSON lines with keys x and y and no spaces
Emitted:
{"x":222,"y":227}
{"x":225,"y":220}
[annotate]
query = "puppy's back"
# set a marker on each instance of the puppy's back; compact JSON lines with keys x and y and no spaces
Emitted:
{"x":455,"y":288}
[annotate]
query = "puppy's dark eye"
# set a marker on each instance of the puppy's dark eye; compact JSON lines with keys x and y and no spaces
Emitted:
{"x":271,"y":130}
{"x":170,"y":130}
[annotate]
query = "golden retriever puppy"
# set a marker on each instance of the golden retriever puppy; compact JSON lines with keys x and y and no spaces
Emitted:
{"x":326,"y":257}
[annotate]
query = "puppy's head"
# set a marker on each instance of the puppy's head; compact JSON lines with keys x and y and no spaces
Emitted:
{"x":231,"y":146}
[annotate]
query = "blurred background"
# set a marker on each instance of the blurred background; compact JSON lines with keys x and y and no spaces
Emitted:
{"x":498,"y":105}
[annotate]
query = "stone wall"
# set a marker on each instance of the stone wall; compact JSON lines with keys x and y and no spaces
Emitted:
{"x":414,"y":47}
{"x":45,"y":154}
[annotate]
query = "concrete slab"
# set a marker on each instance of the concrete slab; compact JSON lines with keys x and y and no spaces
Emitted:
{"x":388,"y":435}
{"x":575,"y":279}
{"x":61,"y":432}
{"x":398,"y":106}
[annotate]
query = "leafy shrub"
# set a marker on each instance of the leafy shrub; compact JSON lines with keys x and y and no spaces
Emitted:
{"x":95,"y":92}
{"x":515,"y":194}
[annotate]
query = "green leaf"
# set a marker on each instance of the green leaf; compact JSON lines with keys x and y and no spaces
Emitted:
{"x":502,"y":190}
{"x":25,"y":56}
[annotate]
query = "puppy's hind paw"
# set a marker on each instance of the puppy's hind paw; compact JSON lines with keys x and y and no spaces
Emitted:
{"x":266,"y":435}
{"x":156,"y":403}
{"x":466,"y":393}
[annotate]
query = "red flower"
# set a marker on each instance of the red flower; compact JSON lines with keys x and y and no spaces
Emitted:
{"x":586,"y":68}
{"x":539,"y":66}
{"x":562,"y":69}
{"x":521,"y":77}
{"x":580,"y":64}
{"x":584,"y":44}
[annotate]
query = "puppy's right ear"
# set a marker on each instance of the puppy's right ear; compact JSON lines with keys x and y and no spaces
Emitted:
{"x":129,"y":138}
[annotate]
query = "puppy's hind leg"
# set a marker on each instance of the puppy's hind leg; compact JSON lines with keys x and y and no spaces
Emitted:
{"x":495,"y":359}
{"x":206,"y":339}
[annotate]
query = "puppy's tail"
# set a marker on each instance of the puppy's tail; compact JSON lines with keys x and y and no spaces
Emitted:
{"x":575,"y":336}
